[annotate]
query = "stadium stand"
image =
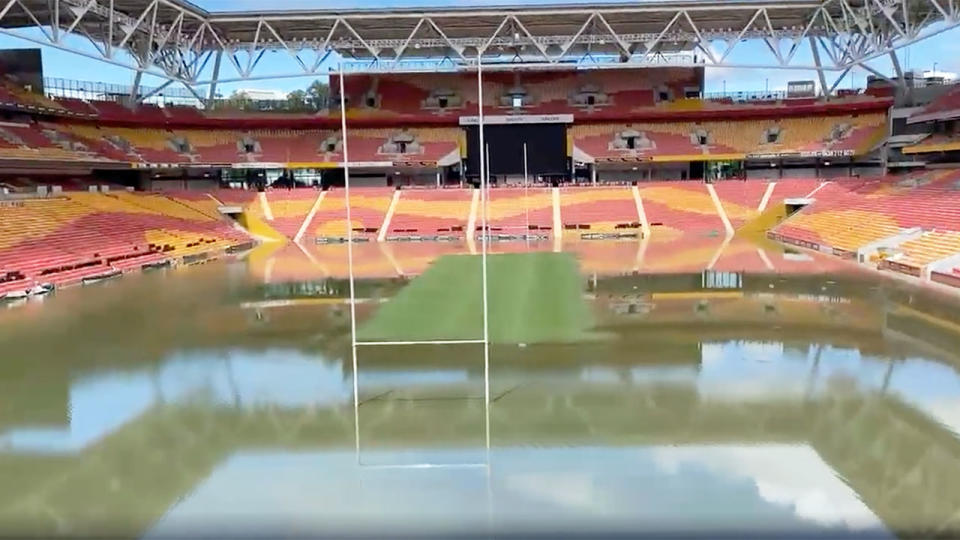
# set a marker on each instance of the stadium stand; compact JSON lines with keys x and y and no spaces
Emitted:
{"x":847,"y":217}
{"x":741,"y":199}
{"x":681,"y":206}
{"x":368,"y":209}
{"x":919,"y":253}
{"x":944,"y":107}
{"x":290,"y":209}
{"x":515,"y":211}
{"x":431,"y":212}
{"x":211,"y":146}
{"x":600,"y":210}
{"x":794,"y":188}
{"x":64,"y":241}
{"x":934,"y":143}
{"x":691,"y":141}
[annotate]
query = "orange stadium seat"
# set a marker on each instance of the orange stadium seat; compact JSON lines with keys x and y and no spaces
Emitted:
{"x":600,"y":210}
{"x":368,"y":208}
{"x":847,"y":219}
{"x":64,"y":240}
{"x":430,"y":212}
{"x":681,"y":206}
{"x":518,"y":211}
{"x":290,"y":208}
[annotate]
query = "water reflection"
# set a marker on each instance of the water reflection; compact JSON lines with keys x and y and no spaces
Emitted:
{"x":802,"y":402}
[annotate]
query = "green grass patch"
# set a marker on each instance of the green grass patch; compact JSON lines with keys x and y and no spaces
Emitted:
{"x":533,"y":298}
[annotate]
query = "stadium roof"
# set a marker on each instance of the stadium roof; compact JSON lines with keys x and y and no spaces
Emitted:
{"x":176,"y":38}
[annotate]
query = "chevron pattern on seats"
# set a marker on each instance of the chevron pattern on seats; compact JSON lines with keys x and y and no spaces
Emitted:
{"x":431,"y":212}
{"x":517,"y":211}
{"x":682,"y":206}
{"x":290,"y":208}
{"x":368,"y":207}
{"x":600,"y":209}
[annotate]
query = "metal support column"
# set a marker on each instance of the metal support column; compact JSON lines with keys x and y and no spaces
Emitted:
{"x":816,"y":61}
{"x":212,"y":94}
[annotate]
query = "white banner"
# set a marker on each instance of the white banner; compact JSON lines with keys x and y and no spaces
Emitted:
{"x":259,"y":165}
{"x":518,"y":119}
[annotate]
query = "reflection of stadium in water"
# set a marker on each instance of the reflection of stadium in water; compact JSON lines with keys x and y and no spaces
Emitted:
{"x":797,"y":401}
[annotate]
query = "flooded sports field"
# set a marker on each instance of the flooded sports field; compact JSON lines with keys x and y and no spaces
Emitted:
{"x":706,"y":387}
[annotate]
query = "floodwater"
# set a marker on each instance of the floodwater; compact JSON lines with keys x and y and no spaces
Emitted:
{"x":800,"y":398}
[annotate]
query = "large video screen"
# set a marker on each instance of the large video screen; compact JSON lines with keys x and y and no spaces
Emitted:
{"x":546,"y":149}
{"x":25,"y":66}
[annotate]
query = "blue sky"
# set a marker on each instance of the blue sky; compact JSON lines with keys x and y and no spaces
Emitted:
{"x":944,"y":49}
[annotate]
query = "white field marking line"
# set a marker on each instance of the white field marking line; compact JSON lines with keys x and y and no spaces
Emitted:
{"x":309,"y":219}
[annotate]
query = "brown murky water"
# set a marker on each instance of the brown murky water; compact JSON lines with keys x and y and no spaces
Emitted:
{"x":219,"y":399}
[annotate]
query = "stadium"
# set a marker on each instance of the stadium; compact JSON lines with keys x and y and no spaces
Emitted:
{"x":499,"y":270}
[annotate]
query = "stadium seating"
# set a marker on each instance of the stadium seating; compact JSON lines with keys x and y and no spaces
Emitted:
{"x":740,"y":199}
{"x":431,"y":212}
{"x":946,"y":106}
{"x":934,"y":143}
{"x":847,"y":218}
{"x":63,"y":241}
{"x":933,"y":246}
{"x":686,"y":141}
{"x":212,"y":146}
{"x":368,"y":207}
{"x":290,"y":208}
{"x":682,"y":206}
{"x":794,"y":188}
{"x":287,"y":145}
{"x":518,"y":211}
{"x":149,"y":145}
{"x":599,"y":210}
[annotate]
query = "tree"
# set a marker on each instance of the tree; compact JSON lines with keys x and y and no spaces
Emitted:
{"x":318,"y":93}
{"x":297,"y":98}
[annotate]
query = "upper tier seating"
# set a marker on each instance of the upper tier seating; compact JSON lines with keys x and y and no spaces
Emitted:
{"x":608,"y":95}
{"x":946,"y":106}
{"x":686,"y":141}
{"x":212,"y":146}
{"x":429,"y":212}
